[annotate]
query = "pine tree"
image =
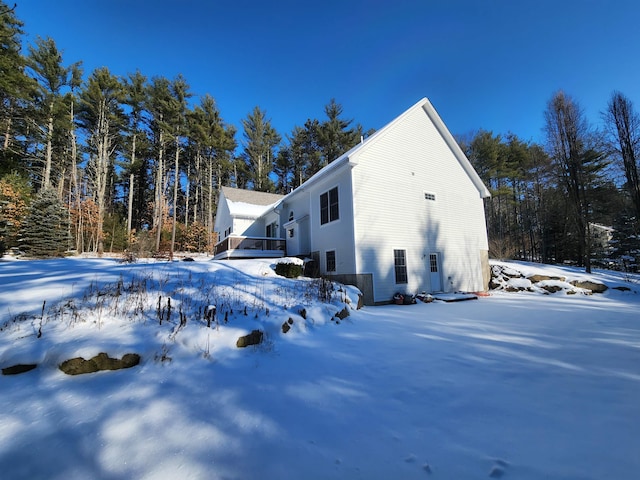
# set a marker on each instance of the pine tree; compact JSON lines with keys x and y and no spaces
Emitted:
{"x":159,"y":106}
{"x":210,"y":164}
{"x":626,"y":241}
{"x":135,"y":87}
{"x":260,"y":139}
{"x":179,"y":93}
{"x":46,"y":65}
{"x":101,"y":118}
{"x":283,"y":168}
{"x":45,"y":231}
{"x":306,"y":155}
{"x":334,"y":135}
{"x":15,"y":90}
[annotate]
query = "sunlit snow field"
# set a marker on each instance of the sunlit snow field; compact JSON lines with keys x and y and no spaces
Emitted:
{"x":515,"y":385}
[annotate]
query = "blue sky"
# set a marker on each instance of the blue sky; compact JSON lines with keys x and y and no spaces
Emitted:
{"x":490,"y":64}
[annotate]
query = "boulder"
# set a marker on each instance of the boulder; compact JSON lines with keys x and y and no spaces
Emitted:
{"x":551,"y":288}
{"x":254,"y":338}
{"x":342,"y":314}
{"x":19,"y":368}
{"x":102,"y":361}
{"x":540,"y":278}
{"x":589,"y":285}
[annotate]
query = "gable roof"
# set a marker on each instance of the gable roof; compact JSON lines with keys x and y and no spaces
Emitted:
{"x":249,"y":203}
{"x":424,"y":104}
{"x":250,"y":196}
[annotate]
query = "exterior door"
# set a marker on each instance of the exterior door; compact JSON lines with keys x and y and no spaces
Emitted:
{"x":434,"y":272}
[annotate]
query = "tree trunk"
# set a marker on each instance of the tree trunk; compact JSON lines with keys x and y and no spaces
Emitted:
{"x":7,"y":133}
{"x":176,"y":181}
{"x":102,"y":172}
{"x":131,"y":186}
{"x":46,"y":180}
{"x":74,"y":189}
{"x":159,"y":196}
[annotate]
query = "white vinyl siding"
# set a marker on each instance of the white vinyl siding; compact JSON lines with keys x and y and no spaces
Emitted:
{"x":391,"y":179}
{"x":338,"y":234}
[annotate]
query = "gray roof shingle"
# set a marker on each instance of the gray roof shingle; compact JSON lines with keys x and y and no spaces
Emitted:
{"x":250,"y":196}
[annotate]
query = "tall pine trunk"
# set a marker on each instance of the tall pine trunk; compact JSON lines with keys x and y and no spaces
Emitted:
{"x":176,"y":181}
{"x":159,"y":196}
{"x":131,"y":186}
{"x":46,"y":180}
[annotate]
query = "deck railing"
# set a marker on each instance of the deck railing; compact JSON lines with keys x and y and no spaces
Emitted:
{"x":251,"y":243}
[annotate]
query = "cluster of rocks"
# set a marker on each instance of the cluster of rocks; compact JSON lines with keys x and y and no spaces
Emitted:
{"x":510,"y":280}
{"x":257,"y":336}
{"x":78,"y":365}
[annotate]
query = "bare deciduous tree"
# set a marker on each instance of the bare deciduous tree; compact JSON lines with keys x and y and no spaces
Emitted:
{"x":623,"y":125}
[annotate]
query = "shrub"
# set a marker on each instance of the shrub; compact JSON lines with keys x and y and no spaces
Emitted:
{"x":289,"y":270}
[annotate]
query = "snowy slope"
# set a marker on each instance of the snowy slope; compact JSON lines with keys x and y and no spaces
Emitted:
{"x":515,"y":385}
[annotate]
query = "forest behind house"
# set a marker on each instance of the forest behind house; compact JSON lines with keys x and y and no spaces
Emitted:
{"x":94,"y":162}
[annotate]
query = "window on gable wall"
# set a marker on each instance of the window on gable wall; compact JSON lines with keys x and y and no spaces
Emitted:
{"x":329,"y":206}
{"x":430,"y":196}
{"x":400,"y":265}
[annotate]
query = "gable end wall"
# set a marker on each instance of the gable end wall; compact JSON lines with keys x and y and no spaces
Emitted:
{"x":389,"y":183}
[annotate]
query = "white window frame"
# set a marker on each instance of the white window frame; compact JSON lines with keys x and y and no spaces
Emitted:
{"x":330,"y":219}
{"x":430,"y":196}
{"x":326,"y":261}
{"x":403,"y":267}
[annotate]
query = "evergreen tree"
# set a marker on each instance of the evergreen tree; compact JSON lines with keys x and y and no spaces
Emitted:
{"x":626,"y":241}
{"x":102,"y":119}
{"x":260,"y":139}
{"x":283,"y":168}
{"x":180,"y":93}
{"x":306,"y":154}
{"x":211,"y":146}
{"x":46,"y":65}
{"x":45,"y":231}
{"x":334,"y":135}
{"x":15,"y":89}
{"x":159,"y":106}
{"x":135,"y":89}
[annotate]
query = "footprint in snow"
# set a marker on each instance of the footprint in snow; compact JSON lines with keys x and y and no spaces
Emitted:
{"x":498,"y":469}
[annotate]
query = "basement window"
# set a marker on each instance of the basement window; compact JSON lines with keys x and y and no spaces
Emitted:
{"x":330,"y":257}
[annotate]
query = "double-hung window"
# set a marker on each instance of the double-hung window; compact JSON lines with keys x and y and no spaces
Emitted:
{"x":400,"y":265}
{"x":329,"y":206}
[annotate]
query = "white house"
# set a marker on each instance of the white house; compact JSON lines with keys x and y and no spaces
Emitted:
{"x":400,"y":212}
{"x":240,"y":227}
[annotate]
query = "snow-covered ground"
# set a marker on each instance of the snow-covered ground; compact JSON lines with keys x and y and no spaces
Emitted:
{"x":515,"y":385}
